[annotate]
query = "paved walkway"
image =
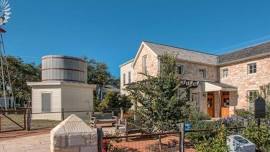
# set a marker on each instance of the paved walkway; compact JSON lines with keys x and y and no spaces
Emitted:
{"x":37,"y":143}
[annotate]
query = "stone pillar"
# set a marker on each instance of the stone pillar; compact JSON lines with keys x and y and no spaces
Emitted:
{"x":73,"y":135}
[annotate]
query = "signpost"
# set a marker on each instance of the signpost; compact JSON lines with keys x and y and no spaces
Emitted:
{"x":259,"y":109}
{"x":181,"y":137}
{"x":188,"y":126}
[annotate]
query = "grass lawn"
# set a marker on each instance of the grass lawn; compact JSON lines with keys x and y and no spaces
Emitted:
{"x":7,"y":125}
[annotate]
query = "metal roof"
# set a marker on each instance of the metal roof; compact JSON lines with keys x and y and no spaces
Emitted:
{"x":183,"y":54}
{"x":249,"y":52}
{"x":259,"y":50}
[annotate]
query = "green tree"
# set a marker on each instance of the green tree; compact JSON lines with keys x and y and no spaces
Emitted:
{"x":114,"y":100}
{"x":98,"y":74}
{"x":162,"y":102}
{"x":20,"y":73}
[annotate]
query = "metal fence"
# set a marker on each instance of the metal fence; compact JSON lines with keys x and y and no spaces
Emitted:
{"x":21,"y":119}
{"x":11,"y":120}
{"x":165,"y":142}
{"x":25,"y":119}
{"x":154,"y":142}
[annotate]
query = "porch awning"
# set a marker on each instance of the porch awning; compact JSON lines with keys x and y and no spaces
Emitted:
{"x":214,"y":86}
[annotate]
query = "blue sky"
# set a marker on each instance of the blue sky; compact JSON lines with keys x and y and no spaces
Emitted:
{"x":112,"y":30}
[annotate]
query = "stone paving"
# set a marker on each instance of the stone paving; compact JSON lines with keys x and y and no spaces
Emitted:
{"x":37,"y":143}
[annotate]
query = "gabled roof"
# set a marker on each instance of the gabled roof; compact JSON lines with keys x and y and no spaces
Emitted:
{"x":246,"y":53}
{"x":251,"y":52}
{"x":183,"y":54}
{"x":127,"y":62}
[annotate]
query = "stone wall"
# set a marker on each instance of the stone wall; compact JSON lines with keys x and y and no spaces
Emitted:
{"x":239,"y":77}
{"x":191,"y":71}
{"x":151,"y":64}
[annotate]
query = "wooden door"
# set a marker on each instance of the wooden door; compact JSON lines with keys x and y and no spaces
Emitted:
{"x":225,"y":104}
{"x":211,"y":104}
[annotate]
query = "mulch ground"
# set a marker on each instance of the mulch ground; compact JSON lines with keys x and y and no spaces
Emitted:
{"x":22,"y":133}
{"x":169,"y":144}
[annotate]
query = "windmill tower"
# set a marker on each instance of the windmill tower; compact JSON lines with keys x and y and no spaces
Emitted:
{"x":6,"y":87}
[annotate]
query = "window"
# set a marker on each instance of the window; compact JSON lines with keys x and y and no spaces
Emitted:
{"x":124,"y":79}
{"x":144,"y":67}
{"x":225,"y":73}
{"x":202,"y":72}
{"x":180,"y":69}
{"x":252,"y":68}
{"x":129,"y":77}
{"x":195,"y":100}
{"x":252,"y":95}
{"x":46,"y":102}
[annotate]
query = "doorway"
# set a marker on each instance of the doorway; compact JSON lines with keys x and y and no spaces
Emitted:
{"x":211,"y":104}
{"x":225,"y":104}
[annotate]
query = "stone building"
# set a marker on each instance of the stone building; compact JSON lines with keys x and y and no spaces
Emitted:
{"x":226,"y":82}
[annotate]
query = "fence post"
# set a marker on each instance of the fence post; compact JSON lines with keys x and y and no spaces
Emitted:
{"x":28,"y":119}
{"x":62,"y":114}
{"x":100,"y":139}
{"x":24,"y":119}
{"x":0,"y":122}
{"x":126,"y":130}
{"x":181,"y":137}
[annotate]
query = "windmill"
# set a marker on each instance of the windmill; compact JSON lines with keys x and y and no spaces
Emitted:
{"x":6,"y":88}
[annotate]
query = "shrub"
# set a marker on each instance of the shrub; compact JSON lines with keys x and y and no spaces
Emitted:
{"x":196,"y":137}
{"x":243,"y":113}
{"x":258,"y":135}
{"x":195,"y":115}
{"x":215,"y":144}
{"x":114,"y":100}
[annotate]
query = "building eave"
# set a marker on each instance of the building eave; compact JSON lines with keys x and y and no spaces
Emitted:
{"x":245,"y":59}
{"x":60,"y":83}
{"x":140,"y":50}
{"x":127,"y":62}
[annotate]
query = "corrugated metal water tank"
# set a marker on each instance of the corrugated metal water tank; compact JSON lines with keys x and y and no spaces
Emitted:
{"x":64,"y":68}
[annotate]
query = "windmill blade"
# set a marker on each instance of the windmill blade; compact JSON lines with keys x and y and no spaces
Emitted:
{"x":6,"y":2}
{"x":1,"y":21}
{"x":6,"y":6}
{"x":7,"y":13}
{"x":3,"y":2}
{"x":7,"y":17}
{"x":7,"y":9}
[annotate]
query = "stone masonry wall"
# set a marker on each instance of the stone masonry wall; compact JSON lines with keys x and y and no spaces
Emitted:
{"x":151,"y":64}
{"x":191,"y":71}
{"x":239,"y":77}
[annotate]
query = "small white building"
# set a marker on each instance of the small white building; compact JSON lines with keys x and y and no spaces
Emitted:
{"x":63,"y":90}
